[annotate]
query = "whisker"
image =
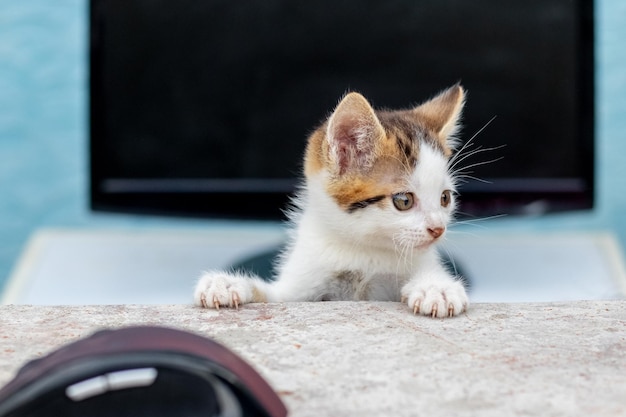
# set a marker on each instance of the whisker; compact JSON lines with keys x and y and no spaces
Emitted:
{"x":479,"y":131}
{"x":482,"y":163}
{"x":472,"y":153}
{"x":463,"y":177}
{"x":473,"y":222}
{"x":469,"y":141}
{"x":463,"y":232}
{"x":479,"y":149}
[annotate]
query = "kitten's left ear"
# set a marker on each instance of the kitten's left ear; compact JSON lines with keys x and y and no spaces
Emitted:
{"x":353,"y":132}
{"x":442,"y":114}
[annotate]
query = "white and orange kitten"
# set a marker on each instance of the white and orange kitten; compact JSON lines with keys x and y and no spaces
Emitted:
{"x":377,"y":197}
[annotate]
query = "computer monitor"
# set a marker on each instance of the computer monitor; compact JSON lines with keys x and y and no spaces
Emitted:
{"x":203,"y":107}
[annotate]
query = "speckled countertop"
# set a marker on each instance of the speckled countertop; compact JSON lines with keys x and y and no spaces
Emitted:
{"x":377,"y":359}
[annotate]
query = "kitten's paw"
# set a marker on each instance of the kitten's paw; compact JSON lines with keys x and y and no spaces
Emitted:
{"x":216,"y":289}
{"x":436,"y":299}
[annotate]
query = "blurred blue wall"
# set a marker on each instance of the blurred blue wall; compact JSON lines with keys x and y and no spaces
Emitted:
{"x":43,"y":128}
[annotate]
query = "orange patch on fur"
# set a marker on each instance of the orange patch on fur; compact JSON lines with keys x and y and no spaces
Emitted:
{"x":391,"y":168}
{"x":316,"y":157}
{"x":386,"y":177}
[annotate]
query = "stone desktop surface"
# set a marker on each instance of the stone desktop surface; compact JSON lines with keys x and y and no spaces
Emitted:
{"x":378,"y":359}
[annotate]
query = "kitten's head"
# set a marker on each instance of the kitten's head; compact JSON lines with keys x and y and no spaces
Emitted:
{"x":382,"y":177}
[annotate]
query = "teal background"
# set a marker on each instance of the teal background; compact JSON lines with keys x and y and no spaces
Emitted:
{"x":43,"y":130}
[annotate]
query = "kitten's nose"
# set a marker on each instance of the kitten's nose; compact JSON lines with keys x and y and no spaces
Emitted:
{"x":435,"y":232}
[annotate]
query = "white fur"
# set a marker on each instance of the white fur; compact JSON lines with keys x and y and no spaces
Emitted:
{"x":392,"y":252}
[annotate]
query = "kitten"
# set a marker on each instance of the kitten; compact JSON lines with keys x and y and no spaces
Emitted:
{"x":377,"y":198}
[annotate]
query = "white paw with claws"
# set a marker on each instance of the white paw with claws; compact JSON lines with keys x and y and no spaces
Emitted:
{"x":220,"y":289}
{"x":436,"y":299}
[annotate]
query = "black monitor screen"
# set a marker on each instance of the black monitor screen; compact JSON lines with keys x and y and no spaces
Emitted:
{"x":204,"y":106}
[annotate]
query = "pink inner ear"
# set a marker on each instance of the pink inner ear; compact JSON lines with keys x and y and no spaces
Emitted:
{"x":343,"y":157}
{"x":342,"y":140}
{"x":352,"y":146}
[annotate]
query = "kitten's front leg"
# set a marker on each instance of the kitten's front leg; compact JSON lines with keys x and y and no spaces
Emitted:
{"x":436,"y":294}
{"x":218,"y":288}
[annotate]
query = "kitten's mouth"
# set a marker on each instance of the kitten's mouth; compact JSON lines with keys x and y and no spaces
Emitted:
{"x":415,"y":241}
{"x":424,"y":245}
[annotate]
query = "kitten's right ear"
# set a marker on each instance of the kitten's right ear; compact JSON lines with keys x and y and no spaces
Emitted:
{"x":443,"y":113}
{"x":352,"y":133}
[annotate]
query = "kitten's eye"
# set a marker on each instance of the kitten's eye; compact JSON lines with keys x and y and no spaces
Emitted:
{"x":446,"y":198}
{"x":403,"y":201}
